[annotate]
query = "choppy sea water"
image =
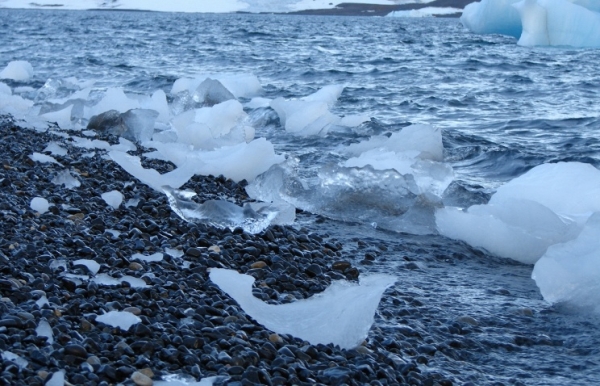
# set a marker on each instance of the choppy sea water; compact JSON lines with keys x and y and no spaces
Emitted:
{"x":503,"y":109}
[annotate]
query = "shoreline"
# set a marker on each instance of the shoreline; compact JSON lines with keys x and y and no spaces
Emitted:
{"x":343,"y":9}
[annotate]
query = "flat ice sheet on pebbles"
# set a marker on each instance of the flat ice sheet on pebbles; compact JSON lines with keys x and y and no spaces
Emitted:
{"x":39,"y":204}
{"x":55,"y":149}
{"x":10,"y":356}
{"x":178,"y":380}
{"x":342,"y":314}
{"x":568,"y":273}
{"x":114,"y":198}
{"x":44,"y":329}
{"x":151,"y":177}
{"x":65,"y":178}
{"x":56,"y":379}
{"x":134,"y":282}
{"x":43,"y":158}
{"x":148,"y":258}
{"x":120,"y":319}
{"x":92,"y":266}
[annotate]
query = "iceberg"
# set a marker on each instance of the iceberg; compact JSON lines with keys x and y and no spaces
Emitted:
{"x":547,"y":205}
{"x":252,"y":217}
{"x":341,"y":315}
{"x":120,"y":319}
{"x":18,"y":70}
{"x":568,"y":273}
{"x":574,"y":23}
{"x":558,"y":23}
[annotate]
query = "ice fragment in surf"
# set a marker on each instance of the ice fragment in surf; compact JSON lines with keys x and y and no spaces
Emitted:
{"x":44,"y":329}
{"x":92,"y":266}
{"x":66,"y":178}
{"x":240,"y":85}
{"x":18,"y":70}
{"x":113,"y":198}
{"x":568,"y":273}
{"x":121,"y":319}
{"x":40,"y":205}
{"x":237,"y":162}
{"x":10,"y":356}
{"x":342,"y":314}
{"x":547,"y":205}
{"x":114,"y":99}
{"x":252,"y":217}
{"x":151,"y":177}
{"x":5,"y":89}
{"x":211,"y":92}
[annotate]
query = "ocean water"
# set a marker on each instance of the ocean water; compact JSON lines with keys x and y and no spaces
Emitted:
{"x":502,"y":109}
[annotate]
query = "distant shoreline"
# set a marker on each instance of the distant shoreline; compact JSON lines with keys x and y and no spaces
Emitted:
{"x":343,"y":9}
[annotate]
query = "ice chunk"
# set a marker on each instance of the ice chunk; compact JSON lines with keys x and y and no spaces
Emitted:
{"x":304,"y":117}
{"x":253,"y":218}
{"x":547,"y":205}
{"x":18,"y":70}
{"x":134,"y":282}
{"x":40,"y":205}
{"x":39,"y":157}
{"x":240,"y":85}
{"x":44,"y":329}
{"x":92,"y":266}
{"x":113,"y":198}
{"x":42,"y":301}
{"x":211,"y":92}
{"x":258,"y":102}
{"x":121,"y":319}
{"x":342,"y":314}
{"x":10,"y":356}
{"x":135,"y":125}
{"x":114,"y":99}
{"x":492,"y":17}
{"x":56,"y":379}
{"x":178,"y":380}
{"x":5,"y":89}
{"x":558,"y":23}
{"x":62,"y":118}
{"x":148,"y":258}
{"x":568,"y":273}
{"x":570,"y":189}
{"x":55,"y":149}
{"x":201,"y":127}
{"x":151,"y":177}
{"x":174,"y":252}
{"x":237,"y":162}
{"x":158,"y":102}
{"x":65,"y":178}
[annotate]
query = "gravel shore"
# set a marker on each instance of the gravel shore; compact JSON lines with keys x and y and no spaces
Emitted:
{"x":188,"y":326}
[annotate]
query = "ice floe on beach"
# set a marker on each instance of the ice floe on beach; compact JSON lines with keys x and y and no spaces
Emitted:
{"x":120,"y":319}
{"x":342,"y":314}
{"x":573,"y":23}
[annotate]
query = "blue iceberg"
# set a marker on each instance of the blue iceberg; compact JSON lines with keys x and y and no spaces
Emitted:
{"x":574,"y":23}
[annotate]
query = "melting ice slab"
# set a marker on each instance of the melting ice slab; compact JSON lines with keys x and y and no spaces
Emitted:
{"x":121,"y":319}
{"x":342,"y":314}
{"x":568,"y":273}
{"x":547,"y":205}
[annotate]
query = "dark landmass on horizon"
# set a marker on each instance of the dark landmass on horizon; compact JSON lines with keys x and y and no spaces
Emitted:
{"x":361,"y":9}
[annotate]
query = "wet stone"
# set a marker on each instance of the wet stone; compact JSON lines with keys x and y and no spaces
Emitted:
{"x":76,"y":350}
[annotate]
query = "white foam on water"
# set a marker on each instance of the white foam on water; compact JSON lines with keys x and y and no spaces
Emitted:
{"x":342,"y":314}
